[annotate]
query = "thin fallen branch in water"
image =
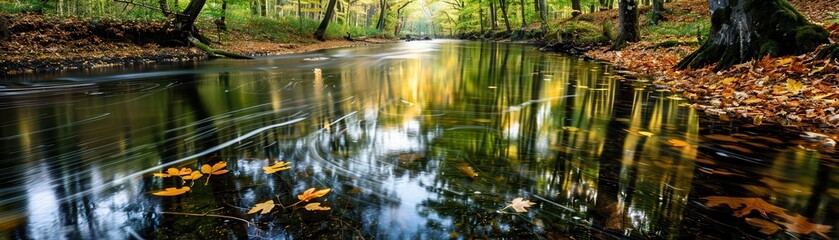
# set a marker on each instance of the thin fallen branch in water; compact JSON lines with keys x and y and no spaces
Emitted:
{"x":210,"y":215}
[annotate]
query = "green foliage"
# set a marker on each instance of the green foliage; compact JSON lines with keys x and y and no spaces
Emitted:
{"x":580,"y":32}
{"x":21,"y":6}
{"x":835,"y":18}
{"x":670,"y":29}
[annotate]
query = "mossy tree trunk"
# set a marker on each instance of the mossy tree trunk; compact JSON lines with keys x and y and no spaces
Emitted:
{"x":330,"y":10}
{"x":628,"y":18}
{"x":748,"y":29}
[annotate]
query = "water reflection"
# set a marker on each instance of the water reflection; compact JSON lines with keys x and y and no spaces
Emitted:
{"x":417,"y":140}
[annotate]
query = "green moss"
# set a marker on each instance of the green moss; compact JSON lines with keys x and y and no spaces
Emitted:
{"x":810,"y":36}
{"x":768,"y":47}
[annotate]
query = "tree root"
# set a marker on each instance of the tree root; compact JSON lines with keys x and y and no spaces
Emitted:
{"x":828,"y":51}
{"x":213,"y":52}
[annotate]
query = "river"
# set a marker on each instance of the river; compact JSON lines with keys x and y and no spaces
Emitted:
{"x":419,"y":140}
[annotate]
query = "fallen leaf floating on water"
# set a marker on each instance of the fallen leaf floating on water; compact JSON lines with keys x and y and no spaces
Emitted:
{"x":264,"y":207}
{"x":520,"y":205}
{"x":280,"y":166}
{"x":216,"y":169}
{"x":801,"y":225}
{"x":168,"y":192}
{"x":677,"y":143}
{"x":174,"y":172}
{"x":310,"y":194}
{"x":193,"y":176}
{"x":646,"y":134}
{"x":467,"y":170}
{"x":316,"y":207}
{"x":766,"y":227}
{"x":742,"y":206}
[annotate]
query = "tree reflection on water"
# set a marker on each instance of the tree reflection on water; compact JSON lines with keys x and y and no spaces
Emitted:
{"x":416,"y":140}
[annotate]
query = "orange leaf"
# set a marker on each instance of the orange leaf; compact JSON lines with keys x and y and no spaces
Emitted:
{"x":742,"y":206}
{"x":216,"y":169}
{"x":316,"y":207}
{"x":467,"y":170}
{"x":799,"y":224}
{"x":194,"y":175}
{"x":264,"y":207}
{"x":310,"y":194}
{"x":280,"y":166}
{"x":168,"y":192}
{"x":677,"y":143}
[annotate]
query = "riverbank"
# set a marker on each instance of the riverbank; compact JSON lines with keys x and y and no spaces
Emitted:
{"x":42,"y":43}
{"x":794,"y":91}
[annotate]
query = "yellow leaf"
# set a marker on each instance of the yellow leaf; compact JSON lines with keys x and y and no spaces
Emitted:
{"x":570,"y":129}
{"x":794,"y":86}
{"x":316,"y":207}
{"x":784,"y":61}
{"x":173,"y":171}
{"x":168,"y":192}
{"x":216,"y":169}
{"x":280,"y":166}
{"x":757,"y":120}
{"x":677,"y":143}
{"x":729,"y":80}
{"x":766,"y":227}
{"x":646,"y":134}
{"x":265,"y":207}
{"x":752,"y":100}
{"x":310,"y":194}
{"x":194,"y":175}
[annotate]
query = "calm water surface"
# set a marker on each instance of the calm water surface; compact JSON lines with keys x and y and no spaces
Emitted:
{"x":418,"y":140}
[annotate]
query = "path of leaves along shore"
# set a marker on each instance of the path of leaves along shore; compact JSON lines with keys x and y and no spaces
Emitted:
{"x":797,"y":90}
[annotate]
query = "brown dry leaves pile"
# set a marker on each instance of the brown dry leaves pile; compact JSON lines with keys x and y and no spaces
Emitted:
{"x":788,"y":90}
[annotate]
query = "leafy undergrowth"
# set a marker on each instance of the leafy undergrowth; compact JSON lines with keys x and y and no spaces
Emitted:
{"x":794,"y":91}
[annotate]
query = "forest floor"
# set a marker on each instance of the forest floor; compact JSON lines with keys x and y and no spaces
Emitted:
{"x":793,"y":91}
{"x":44,"y":43}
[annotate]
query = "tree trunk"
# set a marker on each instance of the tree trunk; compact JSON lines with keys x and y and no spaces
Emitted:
{"x":628,"y":29}
{"x":493,"y":19}
{"x":481,"y":16}
{"x":745,"y":30}
{"x":503,"y":5}
{"x":543,"y":13}
{"x":380,"y":25}
{"x":330,"y":10}
{"x":523,"y":16}
{"x":578,"y":9}
{"x":658,"y":12}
